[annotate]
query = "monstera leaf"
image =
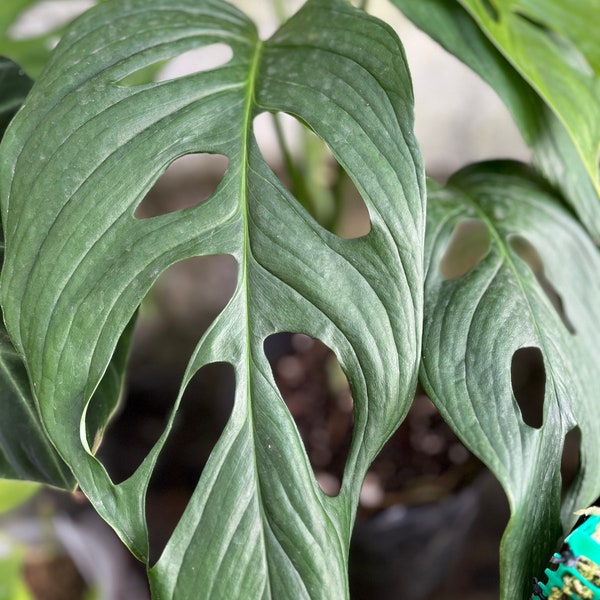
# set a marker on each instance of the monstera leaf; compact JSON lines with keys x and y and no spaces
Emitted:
{"x":536,"y":286}
{"x":79,"y":158}
{"x":541,"y":58}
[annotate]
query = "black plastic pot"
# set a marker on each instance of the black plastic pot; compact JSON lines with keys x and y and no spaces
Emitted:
{"x":406,"y":552}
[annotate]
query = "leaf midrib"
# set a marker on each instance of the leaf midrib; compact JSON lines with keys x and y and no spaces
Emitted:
{"x":246,"y":256}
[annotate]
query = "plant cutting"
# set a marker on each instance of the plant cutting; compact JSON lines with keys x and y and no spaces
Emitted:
{"x":92,"y":138}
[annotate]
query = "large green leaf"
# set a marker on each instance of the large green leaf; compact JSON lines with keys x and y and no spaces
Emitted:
{"x":77,"y":161}
{"x":475,"y":323}
{"x":555,"y":149}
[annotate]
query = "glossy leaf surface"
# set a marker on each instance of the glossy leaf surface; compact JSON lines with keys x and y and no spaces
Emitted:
{"x":474,"y":325}
{"x":78,"y":160}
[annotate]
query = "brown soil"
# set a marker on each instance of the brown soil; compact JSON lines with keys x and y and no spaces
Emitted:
{"x":422,"y":462}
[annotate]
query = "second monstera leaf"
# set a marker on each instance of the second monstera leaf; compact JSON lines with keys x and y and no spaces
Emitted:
{"x":532,"y":283}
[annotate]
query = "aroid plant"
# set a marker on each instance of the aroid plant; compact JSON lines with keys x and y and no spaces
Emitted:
{"x":89,"y":142}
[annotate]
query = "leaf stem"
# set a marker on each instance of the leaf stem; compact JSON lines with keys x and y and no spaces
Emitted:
{"x":338,"y":191}
{"x":296,"y":178}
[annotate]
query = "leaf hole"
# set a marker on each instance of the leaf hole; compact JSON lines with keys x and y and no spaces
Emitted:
{"x":468,"y":245}
{"x":571,"y":458}
{"x":205,"y":409}
{"x":184,"y":301}
{"x":191,"y":62}
{"x":528,"y":377}
{"x":317,"y":394}
{"x":527,"y":252}
{"x":310,"y":172}
{"x":139,"y":422}
{"x":198,"y":60}
{"x":187,"y":182}
{"x":106,"y":400}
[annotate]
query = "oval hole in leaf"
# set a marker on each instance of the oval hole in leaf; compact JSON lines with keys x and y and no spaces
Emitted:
{"x":469,"y":243}
{"x":107,"y":397}
{"x":528,"y":376}
{"x":188,"y":181}
{"x":198,"y":60}
{"x":317,"y":394}
{"x":309,"y":171}
{"x":571,"y":458}
{"x":527,"y":252}
{"x":185,"y":300}
{"x":204,"y":411}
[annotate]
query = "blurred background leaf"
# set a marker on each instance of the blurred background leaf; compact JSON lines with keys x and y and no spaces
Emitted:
{"x":15,"y":493}
{"x":532,"y":71}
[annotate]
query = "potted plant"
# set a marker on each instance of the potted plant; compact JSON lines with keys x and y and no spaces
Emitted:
{"x":94,"y":135}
